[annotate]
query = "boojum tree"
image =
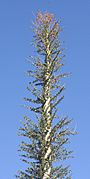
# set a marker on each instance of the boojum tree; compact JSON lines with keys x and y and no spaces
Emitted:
{"x":47,"y":138}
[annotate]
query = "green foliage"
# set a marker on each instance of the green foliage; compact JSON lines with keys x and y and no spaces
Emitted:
{"x":47,"y":139}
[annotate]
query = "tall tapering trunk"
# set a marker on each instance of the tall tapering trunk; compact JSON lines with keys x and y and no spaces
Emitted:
{"x":47,"y":116}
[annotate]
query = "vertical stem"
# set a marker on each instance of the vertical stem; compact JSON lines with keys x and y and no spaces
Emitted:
{"x":47,"y":117}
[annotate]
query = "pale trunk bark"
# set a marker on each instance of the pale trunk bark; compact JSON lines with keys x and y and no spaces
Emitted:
{"x":47,"y":127}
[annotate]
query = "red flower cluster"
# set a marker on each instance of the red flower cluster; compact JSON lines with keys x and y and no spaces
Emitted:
{"x":45,"y":19}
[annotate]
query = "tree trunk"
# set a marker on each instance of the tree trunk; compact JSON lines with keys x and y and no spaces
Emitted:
{"x":47,"y":117}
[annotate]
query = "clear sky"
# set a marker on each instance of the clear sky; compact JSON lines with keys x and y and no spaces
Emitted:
{"x":15,"y":38}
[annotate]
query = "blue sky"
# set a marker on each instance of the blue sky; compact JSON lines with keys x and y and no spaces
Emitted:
{"x":15,"y":38}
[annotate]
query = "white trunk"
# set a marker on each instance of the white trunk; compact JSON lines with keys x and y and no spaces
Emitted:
{"x":47,"y":129}
{"x":47,"y":167}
